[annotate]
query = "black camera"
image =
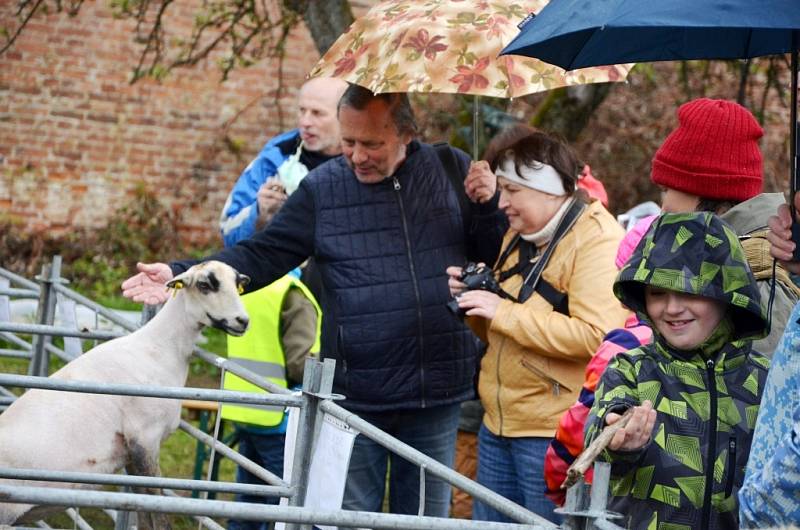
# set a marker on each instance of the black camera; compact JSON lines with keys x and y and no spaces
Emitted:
{"x":476,"y":277}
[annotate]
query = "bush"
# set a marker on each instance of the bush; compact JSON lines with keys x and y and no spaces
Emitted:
{"x":96,"y":261}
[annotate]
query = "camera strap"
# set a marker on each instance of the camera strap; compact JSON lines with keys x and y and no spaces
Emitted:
{"x":450,"y":164}
{"x":527,"y":253}
{"x":533,"y":281}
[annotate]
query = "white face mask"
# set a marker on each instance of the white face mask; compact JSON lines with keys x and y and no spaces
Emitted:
{"x":291,"y":172}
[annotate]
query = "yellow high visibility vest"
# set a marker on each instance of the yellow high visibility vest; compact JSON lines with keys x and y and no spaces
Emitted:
{"x":261,"y":351}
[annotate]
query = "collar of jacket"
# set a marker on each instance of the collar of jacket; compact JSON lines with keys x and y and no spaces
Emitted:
{"x":751,"y":215}
{"x":411,"y":148}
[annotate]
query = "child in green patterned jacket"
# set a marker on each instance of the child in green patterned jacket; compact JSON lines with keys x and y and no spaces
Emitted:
{"x":695,"y":390}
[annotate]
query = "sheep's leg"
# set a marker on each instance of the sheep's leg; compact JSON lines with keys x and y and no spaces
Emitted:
{"x":145,"y":463}
{"x":11,"y":513}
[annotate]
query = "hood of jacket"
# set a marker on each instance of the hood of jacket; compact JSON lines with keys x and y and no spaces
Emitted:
{"x":695,"y":253}
{"x":751,"y":215}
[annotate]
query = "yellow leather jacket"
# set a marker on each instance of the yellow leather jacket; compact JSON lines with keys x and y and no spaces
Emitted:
{"x":533,"y":367}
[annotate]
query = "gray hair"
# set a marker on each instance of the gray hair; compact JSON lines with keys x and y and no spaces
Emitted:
{"x":357,"y":97}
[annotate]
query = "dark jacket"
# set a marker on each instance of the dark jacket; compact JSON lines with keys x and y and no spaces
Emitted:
{"x":706,"y":399}
{"x":382,"y":250}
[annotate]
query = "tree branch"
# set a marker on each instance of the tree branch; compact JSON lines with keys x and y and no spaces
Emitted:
{"x":155,"y":38}
{"x":24,"y":22}
{"x":585,"y":460}
{"x":250,"y":29}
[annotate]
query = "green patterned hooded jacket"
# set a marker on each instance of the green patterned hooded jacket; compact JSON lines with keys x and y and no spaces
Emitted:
{"x":706,"y":399}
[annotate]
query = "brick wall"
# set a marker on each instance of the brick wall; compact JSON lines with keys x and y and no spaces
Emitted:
{"x":76,"y":138}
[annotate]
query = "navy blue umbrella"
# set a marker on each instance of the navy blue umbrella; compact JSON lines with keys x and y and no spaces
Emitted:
{"x":580,"y":33}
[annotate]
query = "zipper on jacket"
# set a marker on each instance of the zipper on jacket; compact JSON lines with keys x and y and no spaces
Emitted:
{"x":342,"y":357}
{"x":555,"y":384}
{"x":731,"y":466}
{"x":421,"y":357}
{"x":499,"y":384}
{"x":712,"y":443}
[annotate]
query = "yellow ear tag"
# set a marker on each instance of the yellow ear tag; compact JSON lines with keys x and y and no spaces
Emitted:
{"x":241,"y":289}
{"x":175,"y":287}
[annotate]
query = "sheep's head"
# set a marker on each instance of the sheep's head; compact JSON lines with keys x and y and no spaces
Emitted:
{"x":213,"y":289}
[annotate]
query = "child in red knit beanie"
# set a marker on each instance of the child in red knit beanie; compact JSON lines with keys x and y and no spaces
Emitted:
{"x":712,"y":155}
{"x":712,"y":162}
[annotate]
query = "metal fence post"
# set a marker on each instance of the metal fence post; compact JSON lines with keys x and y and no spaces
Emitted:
{"x":586,"y":508}
{"x":317,"y":385}
{"x":576,"y":504}
{"x":123,"y":520}
{"x":45,"y":314}
{"x":598,"y":503}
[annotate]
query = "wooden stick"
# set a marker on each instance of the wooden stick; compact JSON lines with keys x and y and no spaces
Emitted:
{"x":585,"y":460}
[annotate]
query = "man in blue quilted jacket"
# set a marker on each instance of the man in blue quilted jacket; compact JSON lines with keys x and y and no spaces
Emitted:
{"x":258,"y":194}
{"x":383,"y":222}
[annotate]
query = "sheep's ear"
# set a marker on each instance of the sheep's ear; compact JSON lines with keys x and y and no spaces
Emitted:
{"x":175,"y":284}
{"x":180,"y":281}
{"x":242,"y":281}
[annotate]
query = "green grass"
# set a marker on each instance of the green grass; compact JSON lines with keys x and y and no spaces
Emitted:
{"x":178,"y":452}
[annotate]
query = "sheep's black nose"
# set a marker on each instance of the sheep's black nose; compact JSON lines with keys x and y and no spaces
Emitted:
{"x":243,"y":321}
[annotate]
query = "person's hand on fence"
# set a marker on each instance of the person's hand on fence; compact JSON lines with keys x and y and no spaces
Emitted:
{"x":636,"y":434}
{"x":480,"y":184}
{"x":148,"y":286}
{"x":780,"y":236}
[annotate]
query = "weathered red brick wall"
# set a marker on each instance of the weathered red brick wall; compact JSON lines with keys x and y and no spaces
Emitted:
{"x":76,"y":138}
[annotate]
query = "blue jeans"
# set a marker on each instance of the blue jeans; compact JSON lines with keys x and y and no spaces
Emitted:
{"x":430,"y":431}
{"x":265,"y":450}
{"x":514,"y":468}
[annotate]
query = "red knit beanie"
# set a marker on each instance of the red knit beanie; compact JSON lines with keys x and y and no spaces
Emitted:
{"x":713,"y":153}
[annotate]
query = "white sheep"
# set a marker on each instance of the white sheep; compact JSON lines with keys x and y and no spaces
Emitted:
{"x":67,"y":431}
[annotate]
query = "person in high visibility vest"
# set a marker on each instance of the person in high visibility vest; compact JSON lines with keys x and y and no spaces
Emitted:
{"x":285,"y":322}
{"x":277,"y":345}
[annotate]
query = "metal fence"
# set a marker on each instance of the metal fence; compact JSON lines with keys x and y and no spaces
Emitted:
{"x":585,"y":507}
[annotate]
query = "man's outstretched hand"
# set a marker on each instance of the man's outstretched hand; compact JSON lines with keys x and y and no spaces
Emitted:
{"x":148,"y":286}
{"x":780,"y":236}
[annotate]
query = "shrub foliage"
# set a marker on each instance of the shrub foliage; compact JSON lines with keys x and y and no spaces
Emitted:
{"x":96,"y":260}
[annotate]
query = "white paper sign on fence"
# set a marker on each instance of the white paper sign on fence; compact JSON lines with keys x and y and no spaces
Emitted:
{"x":329,"y":463}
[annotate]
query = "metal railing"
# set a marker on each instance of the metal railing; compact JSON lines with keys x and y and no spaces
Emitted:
{"x":585,"y":508}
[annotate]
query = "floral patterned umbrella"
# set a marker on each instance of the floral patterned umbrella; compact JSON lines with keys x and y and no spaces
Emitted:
{"x":448,"y":46}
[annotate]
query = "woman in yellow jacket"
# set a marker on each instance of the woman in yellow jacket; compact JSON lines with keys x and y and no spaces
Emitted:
{"x":545,"y":322}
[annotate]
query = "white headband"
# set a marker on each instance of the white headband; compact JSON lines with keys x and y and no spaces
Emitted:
{"x":540,"y":176}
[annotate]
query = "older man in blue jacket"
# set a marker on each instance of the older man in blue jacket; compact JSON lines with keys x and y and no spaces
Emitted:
{"x":263,"y":186}
{"x":383,"y":223}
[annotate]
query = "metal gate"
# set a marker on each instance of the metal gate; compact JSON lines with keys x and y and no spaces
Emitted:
{"x":585,"y":507}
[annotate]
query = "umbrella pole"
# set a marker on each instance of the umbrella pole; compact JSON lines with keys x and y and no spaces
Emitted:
{"x":793,"y":136}
{"x":476,"y":109}
{"x":794,"y":177}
